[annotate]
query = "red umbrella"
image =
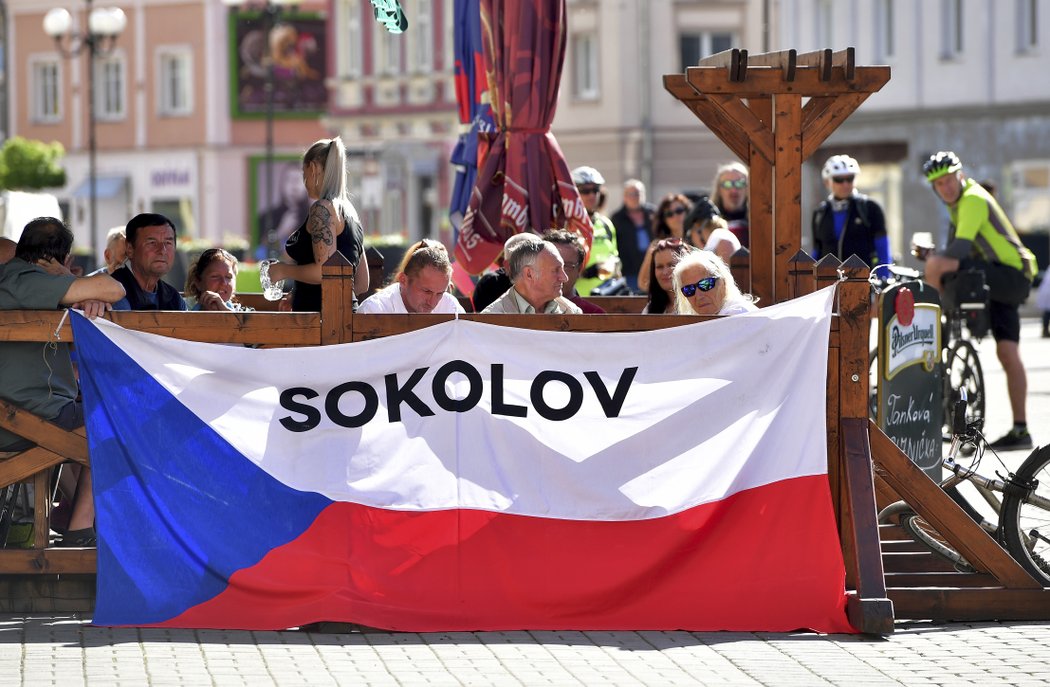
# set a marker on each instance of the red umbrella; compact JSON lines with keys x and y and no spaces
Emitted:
{"x":523,"y":183}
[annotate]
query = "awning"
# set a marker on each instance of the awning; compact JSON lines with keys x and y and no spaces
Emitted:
{"x":106,"y":187}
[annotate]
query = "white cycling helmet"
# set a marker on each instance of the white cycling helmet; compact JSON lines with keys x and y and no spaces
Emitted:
{"x":587,"y":175}
{"x":839,"y":166}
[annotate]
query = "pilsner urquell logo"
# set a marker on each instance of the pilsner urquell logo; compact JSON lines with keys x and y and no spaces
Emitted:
{"x":906,"y":337}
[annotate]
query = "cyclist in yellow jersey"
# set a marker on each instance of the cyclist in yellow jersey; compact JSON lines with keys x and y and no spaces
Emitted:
{"x":982,"y":238}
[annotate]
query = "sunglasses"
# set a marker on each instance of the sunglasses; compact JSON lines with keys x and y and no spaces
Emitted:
{"x":842,"y":180}
{"x":588,"y":190}
{"x":734,"y":183}
{"x":705,"y":284}
{"x":668,"y":214}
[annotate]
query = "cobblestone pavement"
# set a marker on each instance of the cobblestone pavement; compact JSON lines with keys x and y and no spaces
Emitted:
{"x":68,"y":652}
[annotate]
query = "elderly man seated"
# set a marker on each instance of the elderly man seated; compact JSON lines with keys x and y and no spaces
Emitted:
{"x":420,"y":286}
{"x":38,"y":376}
{"x":536,"y":272}
{"x":151,"y":252}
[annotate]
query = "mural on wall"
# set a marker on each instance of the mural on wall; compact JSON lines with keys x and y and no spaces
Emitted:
{"x":275,"y":215}
{"x":295,"y":48}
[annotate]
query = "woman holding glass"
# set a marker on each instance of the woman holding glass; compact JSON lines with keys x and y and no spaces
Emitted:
{"x":331,"y":225}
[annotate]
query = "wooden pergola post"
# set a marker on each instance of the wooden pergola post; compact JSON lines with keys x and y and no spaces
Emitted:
{"x":773,"y":111}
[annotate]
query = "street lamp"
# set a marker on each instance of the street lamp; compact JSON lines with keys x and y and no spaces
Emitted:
{"x":104,"y":26}
{"x":271,"y":11}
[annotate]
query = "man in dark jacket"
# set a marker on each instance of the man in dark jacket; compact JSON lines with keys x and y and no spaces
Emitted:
{"x":151,"y":252}
{"x":847,"y":222}
{"x":634,"y":230}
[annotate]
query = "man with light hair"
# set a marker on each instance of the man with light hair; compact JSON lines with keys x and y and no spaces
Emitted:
{"x":116,"y":252}
{"x":421,"y":284}
{"x":536,"y":272}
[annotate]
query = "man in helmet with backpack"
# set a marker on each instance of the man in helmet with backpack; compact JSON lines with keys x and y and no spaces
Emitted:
{"x":590,"y":184}
{"x":847,"y":222}
{"x":982,"y":238}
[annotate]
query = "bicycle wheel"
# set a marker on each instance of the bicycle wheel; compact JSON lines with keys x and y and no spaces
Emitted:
{"x":962,"y":370}
{"x":924,"y":533}
{"x":1026,"y":517}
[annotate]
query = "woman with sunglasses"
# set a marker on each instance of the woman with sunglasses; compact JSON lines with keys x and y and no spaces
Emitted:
{"x":729,"y":191}
{"x":703,"y":285}
{"x":665,"y":255}
{"x":668,"y":223}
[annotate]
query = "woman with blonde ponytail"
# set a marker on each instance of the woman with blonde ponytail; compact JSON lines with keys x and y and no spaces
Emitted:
{"x":332,"y":225}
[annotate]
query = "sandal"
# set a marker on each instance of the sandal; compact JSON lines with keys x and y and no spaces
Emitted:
{"x":86,"y":537}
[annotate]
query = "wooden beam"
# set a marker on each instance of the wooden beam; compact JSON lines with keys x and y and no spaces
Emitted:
{"x":821,"y":59}
{"x":944,"y":514}
{"x":713,"y":118}
{"x":785,"y":60}
{"x":861,"y":549}
{"x":337,"y":299}
{"x":760,"y":210}
{"x":47,"y":561}
{"x":971,"y":604}
{"x":733,"y":61}
{"x":739,"y":117}
{"x":825,"y":119}
{"x":26,"y":464}
{"x":787,"y":185}
{"x":43,"y":433}
{"x":766,"y":81}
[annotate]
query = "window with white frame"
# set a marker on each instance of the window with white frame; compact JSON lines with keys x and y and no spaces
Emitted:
{"x":1027,"y":25}
{"x":696,"y":45}
{"x":422,"y":44}
{"x":822,"y":29}
{"x":388,"y":51}
{"x":884,"y":30}
{"x":951,"y":28}
{"x":174,"y":81}
{"x":585,"y":65}
{"x":110,"y":98}
{"x":351,"y":52}
{"x":45,"y":80}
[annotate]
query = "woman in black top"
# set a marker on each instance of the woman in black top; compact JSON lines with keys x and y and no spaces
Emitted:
{"x":331,"y":225}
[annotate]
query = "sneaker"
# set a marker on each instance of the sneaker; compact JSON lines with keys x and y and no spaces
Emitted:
{"x":1015,"y":438}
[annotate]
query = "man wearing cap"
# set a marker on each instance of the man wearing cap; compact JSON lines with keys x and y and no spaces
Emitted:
{"x":983,"y":238}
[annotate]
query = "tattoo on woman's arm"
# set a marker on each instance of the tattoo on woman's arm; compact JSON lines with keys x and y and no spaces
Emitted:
{"x":319,"y":225}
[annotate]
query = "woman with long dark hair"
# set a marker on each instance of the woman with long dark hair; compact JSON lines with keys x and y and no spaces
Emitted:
{"x":665,"y":255}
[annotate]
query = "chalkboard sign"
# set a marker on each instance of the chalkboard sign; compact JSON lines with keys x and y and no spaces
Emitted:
{"x":909,"y":407}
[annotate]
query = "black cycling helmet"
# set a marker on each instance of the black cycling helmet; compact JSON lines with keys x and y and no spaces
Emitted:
{"x":941,"y":164}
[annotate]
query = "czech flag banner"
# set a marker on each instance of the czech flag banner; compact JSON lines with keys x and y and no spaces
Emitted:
{"x":469,"y":476}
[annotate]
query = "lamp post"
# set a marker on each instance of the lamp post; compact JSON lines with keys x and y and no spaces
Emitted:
{"x":271,"y":11}
{"x":104,"y":25}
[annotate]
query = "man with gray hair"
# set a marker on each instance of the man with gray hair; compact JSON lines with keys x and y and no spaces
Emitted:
{"x":536,"y":274}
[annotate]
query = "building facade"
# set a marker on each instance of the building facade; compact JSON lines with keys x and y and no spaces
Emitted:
{"x":181,"y":128}
{"x":967,"y":75}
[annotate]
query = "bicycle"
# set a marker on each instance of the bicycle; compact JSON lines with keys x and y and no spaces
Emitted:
{"x":1023,"y":528}
{"x":964,"y":300}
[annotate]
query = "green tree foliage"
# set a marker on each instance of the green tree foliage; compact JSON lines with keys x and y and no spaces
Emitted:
{"x":27,"y":165}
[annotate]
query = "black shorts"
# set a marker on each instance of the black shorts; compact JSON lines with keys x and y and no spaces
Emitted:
{"x":1005,"y":321}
